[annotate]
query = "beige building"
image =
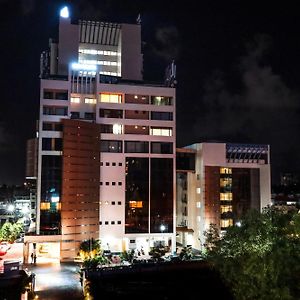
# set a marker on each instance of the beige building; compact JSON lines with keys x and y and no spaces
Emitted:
{"x":216,"y":184}
{"x":106,"y":144}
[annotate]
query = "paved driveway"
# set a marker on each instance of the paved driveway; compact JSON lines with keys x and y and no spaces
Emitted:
{"x":56,"y":281}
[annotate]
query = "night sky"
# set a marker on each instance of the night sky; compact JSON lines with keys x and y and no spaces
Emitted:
{"x":238,"y":66}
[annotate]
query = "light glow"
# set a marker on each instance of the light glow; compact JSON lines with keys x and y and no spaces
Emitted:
{"x":81,"y":67}
{"x":162,"y":227}
{"x":10,"y":208}
{"x":64,"y":12}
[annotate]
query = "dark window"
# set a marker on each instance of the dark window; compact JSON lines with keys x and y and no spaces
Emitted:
{"x":89,"y":116}
{"x":101,"y":183}
{"x":58,"y":127}
{"x":75,"y":115}
{"x":113,"y":183}
{"x":161,"y":147}
{"x":106,"y":222}
{"x":113,"y":203}
{"x":51,"y":187}
{"x":106,"y":183}
{"x":46,"y":144}
{"x":113,"y":164}
{"x":106,"y":128}
{"x":166,"y":116}
{"x":61,"y":95}
{"x":137,"y":195}
{"x":119,"y":203}
{"x":107,"y":164}
{"x":119,"y":222}
{"x":111,"y":146}
{"x":120,"y":164}
{"x":136,"y":147}
{"x":119,"y":183}
{"x":140,"y":99}
{"x":100,"y":222}
{"x":101,"y":163}
{"x":111,"y":113}
{"x":161,"y":202}
{"x":112,"y":222}
{"x":56,"y":94}
{"x":55,"y":110}
{"x":47,"y":126}
{"x":52,"y":144}
{"x":48,"y":94}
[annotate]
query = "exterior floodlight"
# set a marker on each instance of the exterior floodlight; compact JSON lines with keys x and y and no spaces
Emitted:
{"x":162,"y":228}
{"x":238,"y":224}
{"x":11,"y":208}
{"x":84,"y":67}
{"x":55,"y":199}
{"x":64,"y":12}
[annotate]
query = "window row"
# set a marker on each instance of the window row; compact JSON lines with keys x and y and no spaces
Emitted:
{"x":135,"y":129}
{"x":55,"y":94}
{"x":136,"y":147}
{"x":55,"y":110}
{"x":97,"y":52}
{"x":135,"y":114}
{"x":86,"y":100}
{"x":113,"y":164}
{"x":112,"y":202}
{"x":111,"y":183}
{"x":139,"y":99}
{"x":87,"y":115}
{"x":109,"y":97}
{"x":111,"y":222}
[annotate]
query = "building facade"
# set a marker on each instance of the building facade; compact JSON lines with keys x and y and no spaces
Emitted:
{"x":218,"y":183}
{"x":106,"y":143}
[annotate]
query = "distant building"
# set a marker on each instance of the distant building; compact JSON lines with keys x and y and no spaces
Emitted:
{"x":106,"y":144}
{"x":216,"y":184}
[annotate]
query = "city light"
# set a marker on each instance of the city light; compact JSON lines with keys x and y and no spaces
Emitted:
{"x":64,"y":12}
{"x":162,"y":227}
{"x":10,"y":208}
{"x":84,"y":67}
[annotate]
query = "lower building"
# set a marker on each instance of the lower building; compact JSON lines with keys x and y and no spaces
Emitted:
{"x":218,"y":183}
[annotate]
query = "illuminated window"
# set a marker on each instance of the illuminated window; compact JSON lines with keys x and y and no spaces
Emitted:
{"x":226,"y":223}
{"x":136,"y":204}
{"x":110,"y":98}
{"x":75,"y":100}
{"x":225,"y":196}
{"x":226,"y":208}
{"x":198,"y":204}
{"x":90,"y":100}
{"x":117,"y":129}
{"x":159,"y":100}
{"x":161,"y":131}
{"x":45,"y":205}
{"x":225,"y":171}
{"x":226,"y":182}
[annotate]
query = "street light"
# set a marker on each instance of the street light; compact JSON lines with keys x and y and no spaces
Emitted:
{"x":11,"y":208}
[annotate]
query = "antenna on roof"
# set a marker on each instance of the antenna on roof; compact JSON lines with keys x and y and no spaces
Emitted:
{"x":138,"y":19}
{"x":170,"y":75}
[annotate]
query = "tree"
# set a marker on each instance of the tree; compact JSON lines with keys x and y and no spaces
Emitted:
{"x":10,"y":232}
{"x":90,"y":248}
{"x":259,"y":259}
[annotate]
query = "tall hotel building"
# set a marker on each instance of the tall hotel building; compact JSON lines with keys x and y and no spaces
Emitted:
{"x":217,"y":183}
{"x":106,"y":143}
